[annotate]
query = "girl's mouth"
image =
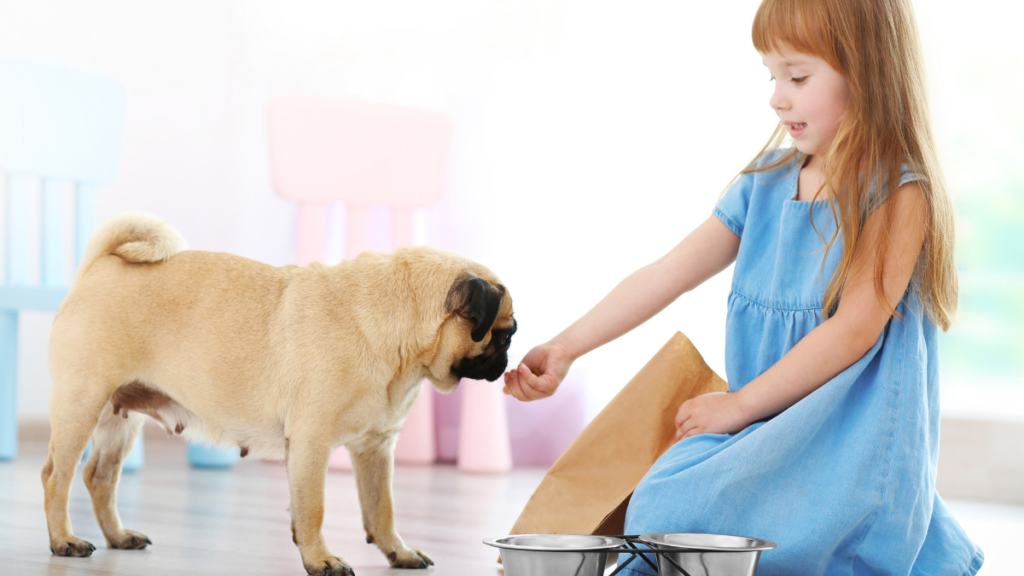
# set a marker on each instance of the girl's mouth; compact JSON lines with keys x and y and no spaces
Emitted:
{"x":796,"y":128}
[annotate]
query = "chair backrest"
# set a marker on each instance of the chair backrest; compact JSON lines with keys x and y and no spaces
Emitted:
{"x":59,"y":125}
{"x":326,"y":150}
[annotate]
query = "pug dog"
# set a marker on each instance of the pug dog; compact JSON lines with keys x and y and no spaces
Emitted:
{"x":288,"y":362}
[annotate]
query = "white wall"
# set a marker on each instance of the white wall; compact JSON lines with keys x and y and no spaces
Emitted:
{"x":591,"y":136}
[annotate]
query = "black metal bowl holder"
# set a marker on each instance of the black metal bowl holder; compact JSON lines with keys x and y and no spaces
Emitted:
{"x":631,"y":549}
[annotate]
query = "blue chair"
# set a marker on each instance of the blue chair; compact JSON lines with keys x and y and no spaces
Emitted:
{"x":60,"y":128}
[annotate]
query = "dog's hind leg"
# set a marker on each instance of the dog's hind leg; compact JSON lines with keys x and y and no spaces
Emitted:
{"x":111,"y":443}
{"x":73,"y":417}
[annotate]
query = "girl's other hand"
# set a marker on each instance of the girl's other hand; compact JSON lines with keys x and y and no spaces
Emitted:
{"x":713,"y":413}
{"x":539,"y":374}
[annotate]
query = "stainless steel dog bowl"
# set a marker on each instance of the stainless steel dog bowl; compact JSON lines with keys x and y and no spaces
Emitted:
{"x":706,"y":554}
{"x":554,"y":554}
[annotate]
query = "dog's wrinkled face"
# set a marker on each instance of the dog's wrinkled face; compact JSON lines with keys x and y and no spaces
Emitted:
{"x":490,"y":364}
{"x":486,"y":308}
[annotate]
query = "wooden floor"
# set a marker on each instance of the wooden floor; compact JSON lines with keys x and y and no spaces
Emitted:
{"x":236,"y":521}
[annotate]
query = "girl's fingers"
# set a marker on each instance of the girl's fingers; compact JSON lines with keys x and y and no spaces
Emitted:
{"x":686,"y":427}
{"x":682,"y":415}
{"x":526,"y":383}
{"x":519,"y":389}
{"x":531,"y":384}
{"x":691,"y":429}
{"x":535,"y":385}
{"x":513,"y":386}
{"x":531,"y":391}
{"x":680,"y":430}
{"x":519,"y":392}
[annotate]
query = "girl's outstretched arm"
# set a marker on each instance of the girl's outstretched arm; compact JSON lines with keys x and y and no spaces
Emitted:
{"x":706,"y":251}
{"x":837,"y":342}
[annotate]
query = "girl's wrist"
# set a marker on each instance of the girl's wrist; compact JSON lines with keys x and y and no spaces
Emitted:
{"x":745,"y":407}
{"x":567,"y":346}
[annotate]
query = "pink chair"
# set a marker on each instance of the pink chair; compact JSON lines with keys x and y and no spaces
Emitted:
{"x":326,"y":150}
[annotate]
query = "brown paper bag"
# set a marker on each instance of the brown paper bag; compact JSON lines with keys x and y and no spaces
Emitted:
{"x":587,"y":489}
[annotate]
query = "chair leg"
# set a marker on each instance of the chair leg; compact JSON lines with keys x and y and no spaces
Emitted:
{"x":311,"y":233}
{"x":484,"y":444}
{"x":403,"y":228}
{"x":357,"y":231}
{"x":340,"y":460}
{"x":417,"y":442}
{"x":8,"y":385}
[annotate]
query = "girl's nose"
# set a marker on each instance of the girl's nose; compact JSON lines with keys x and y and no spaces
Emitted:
{"x":778,"y":101}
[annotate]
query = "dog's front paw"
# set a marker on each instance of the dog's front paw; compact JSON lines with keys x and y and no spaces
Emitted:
{"x":410,"y":559}
{"x":330,"y":566}
{"x":129,"y":540}
{"x":72,"y":546}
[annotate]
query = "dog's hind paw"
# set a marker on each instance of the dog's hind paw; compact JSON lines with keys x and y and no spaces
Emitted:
{"x":410,"y":559}
{"x":129,"y":540}
{"x":75,"y":547}
{"x":331,"y":566}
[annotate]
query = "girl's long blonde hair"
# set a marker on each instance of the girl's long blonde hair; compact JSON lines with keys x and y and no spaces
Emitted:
{"x":874,"y":44}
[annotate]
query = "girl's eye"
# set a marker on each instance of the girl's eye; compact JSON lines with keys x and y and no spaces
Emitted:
{"x":799,"y":80}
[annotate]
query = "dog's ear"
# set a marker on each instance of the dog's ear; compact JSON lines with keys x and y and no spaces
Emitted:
{"x":478,"y":301}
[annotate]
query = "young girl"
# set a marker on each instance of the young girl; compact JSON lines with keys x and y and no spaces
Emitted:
{"x":827,"y":440}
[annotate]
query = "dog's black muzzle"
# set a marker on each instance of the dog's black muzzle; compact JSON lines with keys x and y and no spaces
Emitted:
{"x":492,"y":363}
{"x":483,"y":367}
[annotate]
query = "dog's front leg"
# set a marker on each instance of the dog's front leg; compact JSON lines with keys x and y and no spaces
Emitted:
{"x":373,"y":465}
{"x":306,"y":459}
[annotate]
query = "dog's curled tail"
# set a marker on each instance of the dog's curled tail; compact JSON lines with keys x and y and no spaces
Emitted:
{"x":135,"y":237}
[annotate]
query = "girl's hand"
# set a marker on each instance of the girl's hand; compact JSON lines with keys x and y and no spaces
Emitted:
{"x":540,"y":373}
{"x":713,"y":413}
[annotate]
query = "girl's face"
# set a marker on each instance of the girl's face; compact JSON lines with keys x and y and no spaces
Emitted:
{"x":810,"y":98}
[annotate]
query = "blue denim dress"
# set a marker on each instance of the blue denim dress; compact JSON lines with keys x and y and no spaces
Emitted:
{"x":844,"y":480}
